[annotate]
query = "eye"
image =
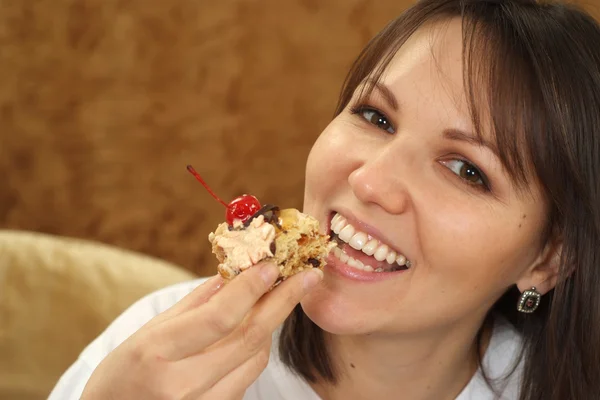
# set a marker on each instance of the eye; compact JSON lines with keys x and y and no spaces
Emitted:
{"x":375,"y":117}
{"x":468,"y":172}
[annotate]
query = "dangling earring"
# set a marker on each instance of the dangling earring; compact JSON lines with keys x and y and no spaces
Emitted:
{"x":529,"y":301}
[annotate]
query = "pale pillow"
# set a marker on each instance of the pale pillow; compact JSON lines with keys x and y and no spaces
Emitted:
{"x":56,"y":295}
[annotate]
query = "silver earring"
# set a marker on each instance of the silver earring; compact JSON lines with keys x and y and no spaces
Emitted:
{"x":529,"y":301}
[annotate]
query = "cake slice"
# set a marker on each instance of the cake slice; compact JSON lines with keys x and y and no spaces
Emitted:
{"x":289,"y":238}
{"x":252,"y":233}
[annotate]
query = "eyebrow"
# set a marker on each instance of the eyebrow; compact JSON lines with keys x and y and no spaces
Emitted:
{"x":385,"y":92}
{"x":451,"y":133}
{"x":456,"y":134}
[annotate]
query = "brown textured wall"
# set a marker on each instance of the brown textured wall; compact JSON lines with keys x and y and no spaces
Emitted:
{"x":104,"y":102}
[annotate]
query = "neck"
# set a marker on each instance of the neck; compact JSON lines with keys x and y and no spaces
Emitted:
{"x":436,"y":366}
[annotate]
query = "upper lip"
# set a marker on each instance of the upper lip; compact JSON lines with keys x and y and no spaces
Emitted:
{"x":366,"y":228}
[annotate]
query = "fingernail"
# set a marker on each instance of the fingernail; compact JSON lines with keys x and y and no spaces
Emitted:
{"x":269,"y":273}
{"x":312,"y":278}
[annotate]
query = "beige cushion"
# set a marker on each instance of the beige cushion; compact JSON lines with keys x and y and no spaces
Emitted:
{"x":56,"y":295}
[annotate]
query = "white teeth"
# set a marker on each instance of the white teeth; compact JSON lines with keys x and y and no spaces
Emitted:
{"x":340,"y":254}
{"x":346,"y":233}
{"x":363,"y":242}
{"x":335,"y":219}
{"x":358,"y":241}
{"x":337,"y":227}
{"x":391,"y":257}
{"x":344,"y":257}
{"x":370,"y":247}
{"x":381,"y":253}
{"x":354,"y":263}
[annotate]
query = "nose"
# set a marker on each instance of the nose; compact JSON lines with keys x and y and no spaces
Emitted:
{"x":378,"y":181}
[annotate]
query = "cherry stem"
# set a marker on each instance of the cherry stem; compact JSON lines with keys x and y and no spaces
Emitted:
{"x":197,"y":175}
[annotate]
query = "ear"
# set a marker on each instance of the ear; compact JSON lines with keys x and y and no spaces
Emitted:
{"x":543,"y":272}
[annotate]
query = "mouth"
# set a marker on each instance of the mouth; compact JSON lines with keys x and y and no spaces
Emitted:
{"x":361,"y":251}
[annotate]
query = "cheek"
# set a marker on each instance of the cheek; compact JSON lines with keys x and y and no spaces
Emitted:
{"x":468,"y":245}
{"x":329,"y":161}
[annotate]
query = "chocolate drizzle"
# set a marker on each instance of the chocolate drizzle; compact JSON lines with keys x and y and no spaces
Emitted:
{"x":314,"y":262}
{"x":269,"y":211}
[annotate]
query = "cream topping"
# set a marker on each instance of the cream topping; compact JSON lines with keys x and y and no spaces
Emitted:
{"x":244,"y":248}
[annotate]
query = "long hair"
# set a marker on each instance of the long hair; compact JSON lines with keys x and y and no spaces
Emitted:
{"x":538,"y":66}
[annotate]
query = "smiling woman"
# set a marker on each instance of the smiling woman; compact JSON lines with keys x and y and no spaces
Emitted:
{"x":467,"y":134}
{"x":460,"y":178}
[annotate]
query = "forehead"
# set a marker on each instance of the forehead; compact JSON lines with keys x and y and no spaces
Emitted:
{"x":440,"y":40}
{"x":426,"y":75}
{"x":428,"y":68}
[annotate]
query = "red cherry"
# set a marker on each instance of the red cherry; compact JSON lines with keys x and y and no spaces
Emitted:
{"x":242,"y":208}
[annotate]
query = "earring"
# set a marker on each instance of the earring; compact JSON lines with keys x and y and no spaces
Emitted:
{"x":529,"y":301}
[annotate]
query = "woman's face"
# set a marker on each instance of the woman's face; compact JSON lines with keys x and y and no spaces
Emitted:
{"x":409,"y":181}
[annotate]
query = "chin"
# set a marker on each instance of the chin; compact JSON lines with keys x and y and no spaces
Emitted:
{"x":337,"y":314}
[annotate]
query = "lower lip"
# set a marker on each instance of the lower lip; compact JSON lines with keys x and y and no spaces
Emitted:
{"x":342,"y":269}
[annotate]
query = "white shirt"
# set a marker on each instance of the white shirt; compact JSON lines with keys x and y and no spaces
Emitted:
{"x":276,"y":382}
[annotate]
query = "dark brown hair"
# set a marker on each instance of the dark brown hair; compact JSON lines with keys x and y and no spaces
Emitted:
{"x":538,"y":65}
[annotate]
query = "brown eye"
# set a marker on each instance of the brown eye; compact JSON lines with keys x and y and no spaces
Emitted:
{"x":375,"y":117}
{"x":470,"y":173}
{"x":466,"y":171}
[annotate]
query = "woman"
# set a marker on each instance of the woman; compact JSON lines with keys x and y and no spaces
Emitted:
{"x":464,"y":163}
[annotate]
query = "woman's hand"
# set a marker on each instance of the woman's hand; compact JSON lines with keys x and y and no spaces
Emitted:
{"x":211,"y":345}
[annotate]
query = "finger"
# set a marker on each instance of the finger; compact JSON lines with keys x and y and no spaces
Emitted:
{"x":228,"y":354}
{"x":198,"y":296}
{"x":223,"y":357}
{"x":275,"y":307}
{"x":195,"y":298}
{"x":257,"y":328}
{"x":234,"y":385}
{"x":191,"y":332}
{"x":247,"y":288}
